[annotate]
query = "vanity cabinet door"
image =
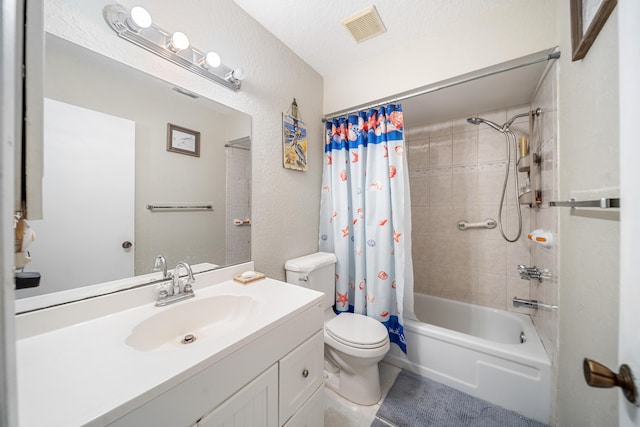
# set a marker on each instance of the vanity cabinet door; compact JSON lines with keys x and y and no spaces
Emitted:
{"x":301,"y":373}
{"x":255,"y":405}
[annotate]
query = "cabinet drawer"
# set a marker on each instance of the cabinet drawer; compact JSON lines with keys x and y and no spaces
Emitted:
{"x":312,"y":412}
{"x":301,"y":373}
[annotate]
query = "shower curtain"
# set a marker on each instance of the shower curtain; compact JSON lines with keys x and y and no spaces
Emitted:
{"x":365,"y":216}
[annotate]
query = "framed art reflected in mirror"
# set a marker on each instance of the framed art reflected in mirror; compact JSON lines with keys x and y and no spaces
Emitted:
{"x":182,"y":140}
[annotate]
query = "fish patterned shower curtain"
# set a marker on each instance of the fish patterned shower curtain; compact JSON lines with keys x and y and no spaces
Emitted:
{"x":365,"y":215}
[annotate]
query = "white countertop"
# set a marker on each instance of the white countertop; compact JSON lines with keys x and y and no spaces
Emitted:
{"x":86,"y":373}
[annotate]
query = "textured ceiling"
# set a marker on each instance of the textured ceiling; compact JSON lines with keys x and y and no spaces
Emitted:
{"x":313,"y":28}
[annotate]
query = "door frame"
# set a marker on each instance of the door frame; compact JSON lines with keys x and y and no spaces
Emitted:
{"x":11,"y":39}
{"x":629,"y":90}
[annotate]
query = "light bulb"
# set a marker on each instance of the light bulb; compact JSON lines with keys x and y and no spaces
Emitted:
{"x":238,"y":74}
{"x":212,"y":59}
{"x":179,"y":41}
{"x":139,"y":19}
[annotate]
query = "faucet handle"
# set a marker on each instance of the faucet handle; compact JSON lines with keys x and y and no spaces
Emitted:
{"x":163,"y":292}
{"x":528,"y":273}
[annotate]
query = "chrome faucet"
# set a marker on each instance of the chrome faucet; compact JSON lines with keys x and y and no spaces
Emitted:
{"x":529,"y":273}
{"x":161,"y":264}
{"x":177,"y":291}
{"x":176,"y":278}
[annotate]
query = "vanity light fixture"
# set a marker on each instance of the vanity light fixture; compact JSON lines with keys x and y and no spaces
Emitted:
{"x":237,"y":74}
{"x":211,"y":60}
{"x":139,"y":19}
{"x":178,"y":41}
{"x":137,"y":27}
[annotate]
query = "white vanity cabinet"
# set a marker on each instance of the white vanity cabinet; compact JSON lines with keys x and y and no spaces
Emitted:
{"x":289,"y":393}
{"x":301,"y":375}
{"x":312,"y":412}
{"x":266,"y":370}
{"x":255,"y":405}
{"x":264,"y":383}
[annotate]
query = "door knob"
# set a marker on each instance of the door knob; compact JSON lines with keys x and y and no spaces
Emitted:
{"x":127,"y":244}
{"x":598,"y":375}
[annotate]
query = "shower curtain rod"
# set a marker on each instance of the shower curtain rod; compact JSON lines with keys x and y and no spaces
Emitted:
{"x":546,"y":57}
{"x":238,"y":147}
{"x":238,"y":143}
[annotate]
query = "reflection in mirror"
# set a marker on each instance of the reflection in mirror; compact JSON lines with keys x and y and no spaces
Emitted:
{"x":106,"y":160}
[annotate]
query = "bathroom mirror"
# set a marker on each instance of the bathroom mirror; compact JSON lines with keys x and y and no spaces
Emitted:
{"x":107,"y":136}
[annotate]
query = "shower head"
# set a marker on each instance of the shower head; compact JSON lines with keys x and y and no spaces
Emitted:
{"x":478,"y":120}
{"x":505,"y":127}
{"x":512,"y":119}
{"x":531,"y":113}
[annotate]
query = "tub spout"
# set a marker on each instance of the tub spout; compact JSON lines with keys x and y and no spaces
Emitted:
{"x":533,"y":304}
{"x":526,"y":303}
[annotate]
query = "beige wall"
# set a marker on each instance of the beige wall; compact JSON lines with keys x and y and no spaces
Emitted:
{"x":285,"y":205}
{"x":589,"y":247}
{"x":457,"y":173}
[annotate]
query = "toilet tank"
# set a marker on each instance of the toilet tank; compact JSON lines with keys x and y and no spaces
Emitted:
{"x":315,"y":271}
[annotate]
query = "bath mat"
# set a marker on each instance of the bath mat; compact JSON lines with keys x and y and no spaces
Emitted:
{"x":415,"y":401}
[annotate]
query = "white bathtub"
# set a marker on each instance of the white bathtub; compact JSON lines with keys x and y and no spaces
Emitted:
{"x":477,"y":350}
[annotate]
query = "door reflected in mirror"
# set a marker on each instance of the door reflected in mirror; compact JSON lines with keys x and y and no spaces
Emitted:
{"x":106,"y":160}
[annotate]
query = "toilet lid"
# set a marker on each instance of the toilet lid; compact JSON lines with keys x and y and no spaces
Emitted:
{"x":357,"y":330}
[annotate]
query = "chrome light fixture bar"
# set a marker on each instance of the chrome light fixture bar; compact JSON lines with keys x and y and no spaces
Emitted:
{"x":136,"y":26}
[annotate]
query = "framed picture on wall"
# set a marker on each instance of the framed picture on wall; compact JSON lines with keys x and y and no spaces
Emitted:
{"x":182,"y":140}
{"x":587,"y":19}
{"x":294,"y":139}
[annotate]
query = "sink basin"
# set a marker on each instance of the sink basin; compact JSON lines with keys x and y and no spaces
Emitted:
{"x":201,"y":319}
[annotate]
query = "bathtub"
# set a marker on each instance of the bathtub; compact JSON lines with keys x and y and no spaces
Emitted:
{"x":478,"y":350}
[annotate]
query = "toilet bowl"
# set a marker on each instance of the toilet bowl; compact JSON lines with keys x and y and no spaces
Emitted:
{"x":354,"y":343}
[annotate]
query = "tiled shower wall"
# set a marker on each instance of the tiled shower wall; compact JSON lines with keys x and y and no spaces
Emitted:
{"x":457,"y":172}
{"x":238,"y":204}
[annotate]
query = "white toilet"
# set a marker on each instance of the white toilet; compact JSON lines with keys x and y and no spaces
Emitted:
{"x":354,"y":343}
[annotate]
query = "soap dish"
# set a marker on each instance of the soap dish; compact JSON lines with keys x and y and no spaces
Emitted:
{"x":245,"y":280}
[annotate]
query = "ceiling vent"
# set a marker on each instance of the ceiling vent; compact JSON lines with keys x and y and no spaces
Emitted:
{"x":365,"y":24}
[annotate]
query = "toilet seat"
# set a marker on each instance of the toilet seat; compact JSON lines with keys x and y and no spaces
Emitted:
{"x":357,"y":331}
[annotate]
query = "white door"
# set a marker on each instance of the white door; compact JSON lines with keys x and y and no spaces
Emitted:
{"x":88,"y":199}
{"x":629,"y":338}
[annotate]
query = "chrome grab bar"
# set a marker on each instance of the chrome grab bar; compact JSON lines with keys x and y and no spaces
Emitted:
{"x":487,"y":223}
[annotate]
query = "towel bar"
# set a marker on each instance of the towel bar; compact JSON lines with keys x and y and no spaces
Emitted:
{"x":602,"y":203}
{"x":180,"y":206}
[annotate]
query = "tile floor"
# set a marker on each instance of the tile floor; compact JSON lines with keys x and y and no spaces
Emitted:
{"x":340,"y":412}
